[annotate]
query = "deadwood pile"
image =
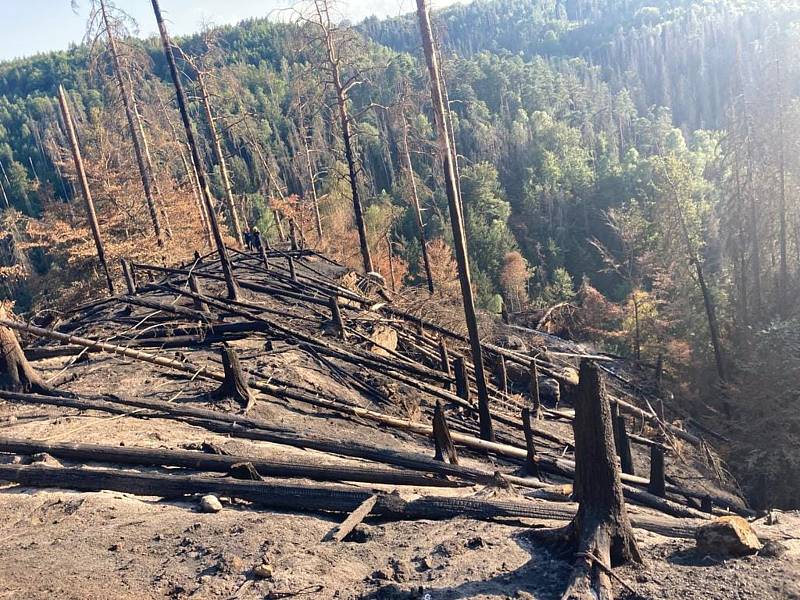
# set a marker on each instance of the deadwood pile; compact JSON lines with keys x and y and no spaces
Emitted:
{"x":358,"y":377}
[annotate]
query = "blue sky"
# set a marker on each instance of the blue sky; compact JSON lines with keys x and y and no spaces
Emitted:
{"x":31,"y":26}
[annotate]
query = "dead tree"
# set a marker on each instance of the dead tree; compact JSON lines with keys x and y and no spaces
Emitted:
{"x":531,"y":464}
{"x":16,"y":373}
{"x":84,"y":183}
{"x":234,"y":388}
{"x":304,"y":134}
{"x":137,"y":148}
{"x":416,"y":206}
{"x":216,"y":145}
{"x":225,"y":263}
{"x":456,"y":219}
{"x":148,"y":159}
{"x":443,"y":443}
{"x":189,"y":171}
{"x":601,"y":532}
{"x":328,"y":41}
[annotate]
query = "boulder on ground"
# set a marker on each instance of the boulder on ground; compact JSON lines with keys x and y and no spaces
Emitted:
{"x":727,"y":536}
{"x":210,"y":504}
{"x":384,"y":340}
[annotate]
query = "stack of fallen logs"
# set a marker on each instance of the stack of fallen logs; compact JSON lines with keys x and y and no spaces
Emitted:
{"x":299,"y":298}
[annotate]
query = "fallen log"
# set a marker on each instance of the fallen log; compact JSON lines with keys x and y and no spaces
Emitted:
{"x":308,"y":498}
{"x":282,"y":392}
{"x":173,"y":341}
{"x":249,"y":428}
{"x":221,"y":463}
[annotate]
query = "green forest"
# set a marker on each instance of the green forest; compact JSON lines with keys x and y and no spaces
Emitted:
{"x":632,"y":165}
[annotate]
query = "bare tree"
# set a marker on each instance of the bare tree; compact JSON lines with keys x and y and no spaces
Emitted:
{"x":225,"y":263}
{"x":107,"y":23}
{"x":202,"y":72}
{"x":456,"y":217}
{"x":84,"y":183}
{"x":327,"y":40}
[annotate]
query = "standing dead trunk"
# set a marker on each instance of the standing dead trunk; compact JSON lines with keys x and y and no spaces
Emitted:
{"x":312,"y":180}
{"x":227,"y":268}
{"x":16,"y":373}
{"x":417,"y":210}
{"x":783,"y":276}
{"x":601,"y":532}
{"x":456,"y":219}
{"x":443,"y":443}
{"x":137,"y":149}
{"x":84,"y":182}
{"x":390,"y":250}
{"x":341,"y":89}
{"x":216,"y":144}
{"x":189,"y":172}
{"x":148,"y":159}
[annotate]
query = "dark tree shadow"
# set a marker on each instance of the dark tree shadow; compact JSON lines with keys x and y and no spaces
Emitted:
{"x":543,"y":577}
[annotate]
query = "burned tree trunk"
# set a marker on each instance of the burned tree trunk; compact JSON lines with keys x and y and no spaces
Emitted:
{"x":443,"y":443}
{"x":234,"y":387}
{"x":531,"y":464}
{"x":148,"y":159}
{"x":323,"y":22}
{"x":417,"y":210}
{"x":189,"y":171}
{"x":87,"y":195}
{"x":137,"y":148}
{"x":456,"y":219}
{"x":216,"y":144}
{"x":601,"y":533}
{"x":16,"y":374}
{"x":225,"y":263}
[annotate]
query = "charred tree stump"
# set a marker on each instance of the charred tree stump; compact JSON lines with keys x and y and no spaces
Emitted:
{"x":601,"y":533}
{"x":531,"y":465}
{"x":441,"y":437}
{"x":462,"y":378}
{"x":16,"y":373}
{"x":336,"y":317}
{"x":194,"y":285}
{"x":127,"y":273}
{"x":293,"y":235}
{"x":502,"y":375}
{"x":292,"y":271}
{"x":707,"y":504}
{"x":623,"y":444}
{"x":234,"y":386}
{"x":657,"y":483}
{"x":444,"y":356}
{"x":536,"y":399}
{"x":260,"y":247}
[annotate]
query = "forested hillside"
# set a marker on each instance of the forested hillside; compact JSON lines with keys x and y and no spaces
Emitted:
{"x":634,"y":163}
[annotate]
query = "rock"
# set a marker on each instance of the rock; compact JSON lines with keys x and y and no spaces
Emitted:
{"x":384,"y":340}
{"x":727,"y":536}
{"x":263,"y":571}
{"x":512,"y":342}
{"x":475,"y":543}
{"x":210,"y":504}
{"x":570,"y":375}
{"x":773,"y":549}
{"x":45,"y":459}
{"x":550,"y":390}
